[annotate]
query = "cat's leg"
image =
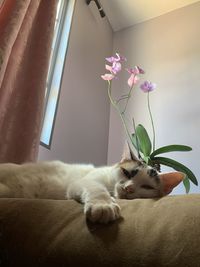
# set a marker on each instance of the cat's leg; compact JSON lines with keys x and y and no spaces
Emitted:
{"x":99,"y":206}
{"x":4,"y":191}
{"x":99,"y":210}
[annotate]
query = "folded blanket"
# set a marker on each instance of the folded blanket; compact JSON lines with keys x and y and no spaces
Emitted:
{"x":151,"y":233}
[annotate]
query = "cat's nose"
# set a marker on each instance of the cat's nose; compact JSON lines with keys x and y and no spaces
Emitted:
{"x":129,"y":189}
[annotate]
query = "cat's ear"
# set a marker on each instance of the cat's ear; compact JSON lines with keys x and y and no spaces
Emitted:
{"x":171,"y":180}
{"x":128,"y":153}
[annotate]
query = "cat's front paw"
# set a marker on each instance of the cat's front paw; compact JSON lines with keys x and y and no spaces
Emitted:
{"x":102,"y":212}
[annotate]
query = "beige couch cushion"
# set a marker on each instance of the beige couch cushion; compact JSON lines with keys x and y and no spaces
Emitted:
{"x":153,"y":233}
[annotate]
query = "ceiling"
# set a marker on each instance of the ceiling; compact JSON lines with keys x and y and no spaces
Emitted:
{"x":124,"y":13}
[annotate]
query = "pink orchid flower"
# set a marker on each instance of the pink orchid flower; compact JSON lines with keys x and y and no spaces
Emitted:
{"x":147,"y":86}
{"x":107,"y":77}
{"x":134,"y":72}
{"x":141,"y":71}
{"x":115,"y":68}
{"x":133,"y":80}
{"x":118,"y":58}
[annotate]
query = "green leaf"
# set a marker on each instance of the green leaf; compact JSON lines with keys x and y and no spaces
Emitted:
{"x":144,"y":140}
{"x":170,"y":148}
{"x":186,"y":183}
{"x":177,"y":166}
{"x":146,"y":159}
{"x":135,"y":142}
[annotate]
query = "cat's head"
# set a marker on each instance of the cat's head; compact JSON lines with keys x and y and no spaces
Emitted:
{"x":138,"y":180}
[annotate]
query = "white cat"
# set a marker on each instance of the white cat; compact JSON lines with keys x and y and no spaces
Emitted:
{"x":97,"y":188}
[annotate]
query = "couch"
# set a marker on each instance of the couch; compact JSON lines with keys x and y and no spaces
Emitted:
{"x":151,"y":233}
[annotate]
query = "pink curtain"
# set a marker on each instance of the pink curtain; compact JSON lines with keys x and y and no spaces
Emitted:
{"x":26,"y":30}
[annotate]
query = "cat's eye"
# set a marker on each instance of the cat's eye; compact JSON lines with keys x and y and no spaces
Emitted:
{"x":130,"y":174}
{"x":146,"y":186}
{"x":152,"y":172}
{"x":134,"y":172}
{"x":126,"y":173}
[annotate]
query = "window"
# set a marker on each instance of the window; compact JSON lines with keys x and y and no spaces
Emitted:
{"x":59,"y":48}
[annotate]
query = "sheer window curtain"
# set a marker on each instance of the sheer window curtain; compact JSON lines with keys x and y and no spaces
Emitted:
{"x":26,"y":31}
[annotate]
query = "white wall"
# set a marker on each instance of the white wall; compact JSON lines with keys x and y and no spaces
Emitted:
{"x":168,"y":48}
{"x":82,"y":122}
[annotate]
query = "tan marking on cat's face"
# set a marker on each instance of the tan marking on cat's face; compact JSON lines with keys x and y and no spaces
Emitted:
{"x":129,"y":164}
{"x":137,"y":180}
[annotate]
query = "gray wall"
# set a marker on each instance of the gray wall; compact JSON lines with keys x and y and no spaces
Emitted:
{"x":82,"y":122}
{"x":168,"y":48}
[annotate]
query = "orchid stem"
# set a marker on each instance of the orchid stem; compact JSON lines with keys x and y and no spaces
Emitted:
{"x":118,"y":110}
{"x":151,"y":117}
{"x":128,"y":97}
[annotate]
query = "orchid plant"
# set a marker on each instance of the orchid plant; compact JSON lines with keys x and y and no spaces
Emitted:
{"x":140,"y":139}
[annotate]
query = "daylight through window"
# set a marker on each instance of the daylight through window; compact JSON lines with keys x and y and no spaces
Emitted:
{"x":59,"y":48}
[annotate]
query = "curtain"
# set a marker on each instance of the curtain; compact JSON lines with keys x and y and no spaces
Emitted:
{"x":26,"y":31}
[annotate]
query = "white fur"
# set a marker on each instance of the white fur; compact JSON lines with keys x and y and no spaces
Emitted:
{"x":97,"y":188}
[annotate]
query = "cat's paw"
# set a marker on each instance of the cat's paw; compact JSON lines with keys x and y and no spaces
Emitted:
{"x":102,"y":212}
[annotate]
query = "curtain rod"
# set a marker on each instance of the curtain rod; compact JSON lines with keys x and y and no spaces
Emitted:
{"x":101,"y":11}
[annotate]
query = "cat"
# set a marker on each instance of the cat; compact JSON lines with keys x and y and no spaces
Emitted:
{"x":96,"y":187}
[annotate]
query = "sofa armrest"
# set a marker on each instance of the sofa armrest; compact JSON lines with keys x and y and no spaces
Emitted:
{"x":153,"y":233}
